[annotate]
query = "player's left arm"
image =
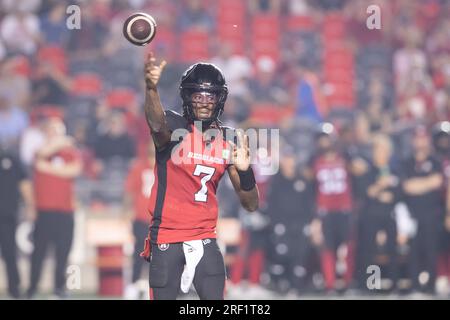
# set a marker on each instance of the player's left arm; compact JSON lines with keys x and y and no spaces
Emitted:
{"x":242,"y":176}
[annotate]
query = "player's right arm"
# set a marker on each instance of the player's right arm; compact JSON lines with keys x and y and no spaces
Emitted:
{"x":154,"y":111}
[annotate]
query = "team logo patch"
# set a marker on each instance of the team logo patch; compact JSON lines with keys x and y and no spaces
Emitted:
{"x":206,"y":241}
{"x":163,"y":246}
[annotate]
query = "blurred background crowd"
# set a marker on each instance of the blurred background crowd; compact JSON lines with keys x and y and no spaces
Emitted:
{"x":364,"y":150}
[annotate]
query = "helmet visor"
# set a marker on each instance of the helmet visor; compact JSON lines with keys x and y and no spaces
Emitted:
{"x":204,"y":97}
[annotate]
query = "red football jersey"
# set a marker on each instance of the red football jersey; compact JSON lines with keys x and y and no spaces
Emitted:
{"x":183,"y":203}
{"x":333,"y":184}
{"x":139,"y":184}
{"x":54,"y":193}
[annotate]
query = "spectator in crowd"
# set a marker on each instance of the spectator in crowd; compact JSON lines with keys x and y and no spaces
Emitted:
{"x":138,"y":186}
{"x":50,"y":86}
{"x":409,"y":62}
{"x":381,"y":190}
{"x":22,"y":5}
{"x":2,"y":50}
{"x":422,"y":185}
{"x":264,"y":6}
{"x":115,"y":141}
{"x":56,"y":166}
{"x":377,"y":104}
{"x":13,"y":81}
{"x":329,"y":172}
{"x":53,"y":25}
{"x":236,"y":68}
{"x":290,"y":210}
{"x":14,"y":185}
{"x":86,"y":44}
{"x":249,"y":258}
{"x":266,"y":88}
{"x":165,"y":12}
{"x":195,"y":16}
{"x":32,"y":139}
{"x":310,"y":102}
{"x":237,"y":111}
{"x":13,"y":120}
{"x":20,"y":32}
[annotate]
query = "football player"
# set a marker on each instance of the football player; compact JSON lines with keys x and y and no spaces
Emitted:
{"x":330,"y":230}
{"x":182,"y":246}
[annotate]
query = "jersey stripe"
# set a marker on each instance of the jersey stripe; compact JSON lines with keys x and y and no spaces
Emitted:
{"x":161,"y":164}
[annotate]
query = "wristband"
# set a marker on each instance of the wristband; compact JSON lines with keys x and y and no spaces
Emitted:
{"x":247,"y":179}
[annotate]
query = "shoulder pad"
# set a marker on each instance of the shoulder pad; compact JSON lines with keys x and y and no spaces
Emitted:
{"x":175,"y":120}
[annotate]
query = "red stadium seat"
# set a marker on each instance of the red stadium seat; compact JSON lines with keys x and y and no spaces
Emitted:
{"x":167,"y":39}
{"x":194,"y":46}
{"x":270,"y":114}
{"x":21,"y":66}
{"x":264,"y":25}
{"x":54,"y":55}
{"x":338,"y":75}
{"x":231,"y":5}
{"x":47,"y":111}
{"x":333,"y":26}
{"x":121,"y":98}
{"x":299,"y":23}
{"x":87,"y":84}
{"x":342,"y":95}
{"x":265,"y":36}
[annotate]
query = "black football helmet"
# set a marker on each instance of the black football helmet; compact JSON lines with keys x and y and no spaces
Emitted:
{"x":203,"y":77}
{"x":325,"y":130}
{"x":441,"y":137}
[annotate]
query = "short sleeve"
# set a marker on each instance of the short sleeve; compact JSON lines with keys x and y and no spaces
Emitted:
{"x":175,"y":120}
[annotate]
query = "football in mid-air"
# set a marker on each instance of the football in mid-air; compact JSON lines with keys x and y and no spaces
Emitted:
{"x":139,"y":28}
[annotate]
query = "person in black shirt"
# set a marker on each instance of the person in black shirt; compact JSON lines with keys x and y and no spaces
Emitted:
{"x":115,"y":142}
{"x":13,"y":185}
{"x":380,"y":191}
{"x":50,"y":86}
{"x":422,"y":185}
{"x":290,"y":210}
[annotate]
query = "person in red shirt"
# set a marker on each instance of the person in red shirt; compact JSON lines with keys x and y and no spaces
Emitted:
{"x":329,"y":172}
{"x":56,"y":165}
{"x":192,"y":154}
{"x":138,"y":185}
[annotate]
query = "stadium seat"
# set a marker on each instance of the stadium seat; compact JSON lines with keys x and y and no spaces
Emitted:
{"x":21,"y":66}
{"x":270,"y":114}
{"x":299,"y":23}
{"x":194,"y":46}
{"x":264,"y":25}
{"x":54,"y":55}
{"x":87,"y":84}
{"x":265,"y":36}
{"x":167,"y":40}
{"x":121,"y":98}
{"x":47,"y":110}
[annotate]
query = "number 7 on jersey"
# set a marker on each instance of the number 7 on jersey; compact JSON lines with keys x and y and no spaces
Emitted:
{"x":202,"y":194}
